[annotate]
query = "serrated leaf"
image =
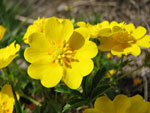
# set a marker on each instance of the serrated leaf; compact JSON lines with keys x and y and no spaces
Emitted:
{"x":64,"y":89}
{"x":98,"y":76}
{"x":100,"y":90}
{"x":74,"y":104}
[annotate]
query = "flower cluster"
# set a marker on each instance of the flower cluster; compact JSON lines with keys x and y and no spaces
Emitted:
{"x":58,"y":51}
{"x":119,"y":38}
{"x":121,"y":104}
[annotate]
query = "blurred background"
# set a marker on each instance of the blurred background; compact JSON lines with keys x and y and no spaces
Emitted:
{"x":136,"y":11}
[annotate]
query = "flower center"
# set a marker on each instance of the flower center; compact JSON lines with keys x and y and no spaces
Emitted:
{"x":63,"y":54}
{"x":123,"y":37}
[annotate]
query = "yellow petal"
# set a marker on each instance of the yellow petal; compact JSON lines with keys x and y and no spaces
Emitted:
{"x":37,"y":26}
{"x":2,"y":31}
{"x":84,"y":32}
{"x":81,"y":24}
{"x":106,"y":43}
{"x":144,"y":42}
{"x":138,"y":105}
{"x":139,"y":32}
{"x":116,"y":29}
{"x":104,"y":105}
{"x":114,"y":23}
{"x":130,"y":28}
{"x":76,"y":41}
{"x":117,"y":50}
{"x":85,"y":66}
{"x":121,"y":103}
{"x":72,"y":77}
{"x":90,"y":110}
{"x":89,"y":50}
{"x":7,"y":54}
{"x":31,"y":29}
{"x":49,"y":74}
{"x":105,"y":32}
{"x":7,"y":89}
{"x":58,"y":29}
{"x":39,"y":48}
{"x":130,"y":49}
{"x":134,"y":50}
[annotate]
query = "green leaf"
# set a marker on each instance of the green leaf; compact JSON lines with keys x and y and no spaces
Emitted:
{"x":98,"y":76}
{"x":65,"y":90}
{"x":74,"y":104}
{"x":17,"y":104}
{"x":62,"y":89}
{"x":100,"y":90}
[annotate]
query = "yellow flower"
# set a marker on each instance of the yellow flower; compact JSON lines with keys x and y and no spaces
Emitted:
{"x":37,"y":26}
{"x":6,"y":99}
{"x":7,"y":54}
{"x":94,"y":29}
{"x":121,"y":104}
{"x":137,"y":81}
{"x":123,"y":39}
{"x":60,"y":52}
{"x":108,"y":56}
{"x":111,"y":73}
{"x":2,"y":31}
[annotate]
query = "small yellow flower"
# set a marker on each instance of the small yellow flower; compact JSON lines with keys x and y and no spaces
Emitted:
{"x":2,"y":31}
{"x":108,"y":56}
{"x":137,"y":81}
{"x":7,"y":54}
{"x":111,"y":73}
{"x":124,"y":39}
{"x":121,"y":104}
{"x":6,"y":99}
{"x":60,"y":52}
{"x":37,"y":26}
{"x":94,"y":30}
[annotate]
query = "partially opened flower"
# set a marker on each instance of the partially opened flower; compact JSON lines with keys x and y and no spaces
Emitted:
{"x":94,"y":29}
{"x":6,"y":99}
{"x":8,"y":53}
{"x":60,"y":52}
{"x":121,"y":104}
{"x":37,"y":26}
{"x":2,"y":31}
{"x":124,"y":39}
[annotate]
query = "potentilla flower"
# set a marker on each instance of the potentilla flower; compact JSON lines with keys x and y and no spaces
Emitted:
{"x":37,"y":26}
{"x":94,"y":29}
{"x":8,"y":53}
{"x":124,"y":39}
{"x":6,"y":99}
{"x":60,"y":53}
{"x":111,"y":73}
{"x":2,"y":31}
{"x":121,"y":104}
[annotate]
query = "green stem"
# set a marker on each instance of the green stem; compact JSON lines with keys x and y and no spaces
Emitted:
{"x":17,"y":103}
{"x":30,"y":99}
{"x":126,"y":74}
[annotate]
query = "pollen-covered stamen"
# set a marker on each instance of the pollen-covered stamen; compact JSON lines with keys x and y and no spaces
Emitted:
{"x":64,"y":55}
{"x":124,"y":37}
